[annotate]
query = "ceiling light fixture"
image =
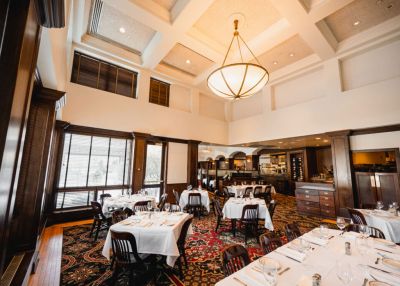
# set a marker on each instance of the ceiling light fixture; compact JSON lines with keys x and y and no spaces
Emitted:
{"x":188,"y":62}
{"x":356,"y":23}
{"x":317,"y":138}
{"x":291,"y":55}
{"x":122,"y":30}
{"x":239,"y":79}
{"x":275,"y":62}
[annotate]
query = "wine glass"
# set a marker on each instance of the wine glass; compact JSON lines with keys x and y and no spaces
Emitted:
{"x":167,"y":206}
{"x":341,"y":223}
{"x":324,"y":231}
{"x":344,"y":272}
{"x":379,"y":205}
{"x":364,"y":231}
{"x":269,"y":270}
{"x":150,"y":206}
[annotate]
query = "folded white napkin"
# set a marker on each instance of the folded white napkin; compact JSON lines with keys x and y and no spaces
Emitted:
{"x":296,"y":255}
{"x":252,"y":277}
{"x":352,"y":234}
{"x":385,"y":277}
{"x":304,"y":281}
{"x":314,"y":239}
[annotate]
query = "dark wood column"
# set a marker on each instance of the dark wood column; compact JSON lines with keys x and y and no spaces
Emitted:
{"x":193,"y":151}
{"x":139,"y":160}
{"x":344,"y":195}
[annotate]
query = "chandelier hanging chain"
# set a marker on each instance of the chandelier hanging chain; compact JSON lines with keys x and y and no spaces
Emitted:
{"x":254,"y":56}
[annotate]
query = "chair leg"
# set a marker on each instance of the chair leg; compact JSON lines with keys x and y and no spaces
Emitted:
{"x":218,"y":223}
{"x":180,"y":267}
{"x":91,"y":230}
{"x":97,"y":230}
{"x":112,"y":262}
{"x":114,"y":276}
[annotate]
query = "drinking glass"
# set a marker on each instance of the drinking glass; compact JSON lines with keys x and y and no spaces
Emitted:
{"x":167,"y":206}
{"x":344,"y":272}
{"x":364,"y":231}
{"x":379,"y":205}
{"x":149,"y":206}
{"x":362,"y":245}
{"x":395,"y":205}
{"x":323,"y":229}
{"x":270,"y":270}
{"x":304,"y":245}
{"x":341,"y":223}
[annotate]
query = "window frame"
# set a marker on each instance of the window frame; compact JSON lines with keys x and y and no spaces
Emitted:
{"x":160,"y":82}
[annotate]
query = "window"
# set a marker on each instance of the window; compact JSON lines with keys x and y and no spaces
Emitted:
{"x":92,"y":163}
{"x":154,"y":172}
{"x":98,"y":74}
{"x":159,"y":92}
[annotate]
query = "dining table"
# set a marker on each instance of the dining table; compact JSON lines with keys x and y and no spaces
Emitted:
{"x":205,"y":199}
{"x":323,"y":253}
{"x":387,"y":222}
{"x":126,"y":201}
{"x":233,"y":209}
{"x":239,"y":190}
{"x":155,"y":233}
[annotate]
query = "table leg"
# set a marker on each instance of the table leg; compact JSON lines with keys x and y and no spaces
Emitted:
{"x":233,"y":221}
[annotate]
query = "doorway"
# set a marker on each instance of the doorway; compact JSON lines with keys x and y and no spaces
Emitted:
{"x":154,"y":175}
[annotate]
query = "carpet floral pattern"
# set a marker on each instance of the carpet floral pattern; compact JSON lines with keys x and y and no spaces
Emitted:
{"x":83,"y":264}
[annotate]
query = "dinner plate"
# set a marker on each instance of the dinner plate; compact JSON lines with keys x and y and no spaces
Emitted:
{"x":319,"y":234}
{"x":384,"y":242}
{"x":391,"y":263}
{"x":377,"y":283}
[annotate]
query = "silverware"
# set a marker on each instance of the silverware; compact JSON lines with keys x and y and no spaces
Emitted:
{"x":384,"y":271}
{"x":331,"y":237}
{"x":383,"y":250}
{"x":239,"y":281}
{"x":283,"y":271}
{"x":365,"y":282}
{"x":289,"y":257}
{"x":377,"y":260}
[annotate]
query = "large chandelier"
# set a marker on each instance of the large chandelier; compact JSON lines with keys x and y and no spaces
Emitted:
{"x":240,"y":79}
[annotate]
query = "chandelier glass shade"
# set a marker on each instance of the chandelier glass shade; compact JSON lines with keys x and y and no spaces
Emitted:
{"x":239,"y":79}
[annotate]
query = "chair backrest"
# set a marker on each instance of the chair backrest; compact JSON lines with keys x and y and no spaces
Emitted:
{"x":176,"y":195}
{"x":372,"y":231}
{"x":258,"y":190}
{"x":356,"y":216}
{"x":368,"y":206}
{"x":129,"y":212}
{"x":141,"y":206}
{"x":270,"y":241}
{"x":247,"y":191}
{"x":174,"y":208}
{"x":225,"y":191}
{"x":103,"y":196}
{"x":124,"y":248}
{"x":292,"y":231}
{"x":271,"y":208}
{"x":217,"y":208}
{"x":234,"y":258}
{"x":97,"y":210}
{"x":250,"y":213}
{"x":118,"y":215}
{"x":184,"y":231}
{"x":163,"y":200}
{"x":194,"y":200}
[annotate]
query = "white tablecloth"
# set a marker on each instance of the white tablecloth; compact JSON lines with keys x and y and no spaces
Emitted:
{"x":239,"y":190}
{"x":125,"y":201}
{"x":211,"y":183}
{"x":154,"y":238}
{"x":321,"y":260}
{"x":234,"y":206}
{"x":388,"y":223}
{"x":205,"y":200}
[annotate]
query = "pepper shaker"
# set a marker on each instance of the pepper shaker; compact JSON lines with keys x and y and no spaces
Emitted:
{"x":316,"y":279}
{"x":347,"y":248}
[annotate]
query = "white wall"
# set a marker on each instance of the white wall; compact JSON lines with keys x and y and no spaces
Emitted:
{"x":375,"y":141}
{"x":177,"y":163}
{"x":374,"y":104}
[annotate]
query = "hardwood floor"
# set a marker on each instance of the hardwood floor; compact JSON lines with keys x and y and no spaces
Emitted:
{"x":49,"y":267}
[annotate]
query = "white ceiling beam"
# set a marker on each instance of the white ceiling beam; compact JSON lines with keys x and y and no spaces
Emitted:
{"x":327,"y":8}
{"x":298,"y":17}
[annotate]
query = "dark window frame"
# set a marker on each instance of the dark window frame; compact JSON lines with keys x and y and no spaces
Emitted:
{"x":160,"y":84}
{"x":104,"y":72}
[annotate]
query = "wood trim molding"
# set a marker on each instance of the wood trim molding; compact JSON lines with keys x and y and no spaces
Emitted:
{"x":51,"y":13}
{"x":380,"y":129}
{"x":94,"y":131}
{"x":49,"y":94}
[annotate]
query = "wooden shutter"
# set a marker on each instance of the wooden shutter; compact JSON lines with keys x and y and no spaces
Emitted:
{"x":126,"y":82}
{"x":108,"y":77}
{"x":159,"y":92}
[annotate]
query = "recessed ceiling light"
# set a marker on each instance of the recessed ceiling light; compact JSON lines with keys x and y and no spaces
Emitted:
{"x":188,"y":62}
{"x":275,"y":62}
{"x":317,"y":145}
{"x":356,"y":23}
{"x":122,"y":30}
{"x":280,"y":142}
{"x":317,"y":138}
{"x":379,"y":2}
{"x":291,"y":55}
{"x":326,"y":141}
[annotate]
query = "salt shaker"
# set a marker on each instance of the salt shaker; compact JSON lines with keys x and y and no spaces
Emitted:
{"x":347,"y":248}
{"x":316,"y":279}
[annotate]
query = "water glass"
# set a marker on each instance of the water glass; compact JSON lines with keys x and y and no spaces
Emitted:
{"x":362,"y":245}
{"x":167,"y":206}
{"x":341,"y":223}
{"x":344,"y":272}
{"x":270,"y":270}
{"x":364,"y":230}
{"x":379,"y":205}
{"x":323,"y":229}
{"x":150,"y":206}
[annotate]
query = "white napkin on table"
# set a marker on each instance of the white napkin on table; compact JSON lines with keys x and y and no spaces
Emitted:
{"x":352,"y":234}
{"x":251,"y":277}
{"x":296,"y":255}
{"x":314,"y":239}
{"x":385,"y":277}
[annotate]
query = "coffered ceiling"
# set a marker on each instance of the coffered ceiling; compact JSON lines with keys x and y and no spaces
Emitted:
{"x":187,"y":39}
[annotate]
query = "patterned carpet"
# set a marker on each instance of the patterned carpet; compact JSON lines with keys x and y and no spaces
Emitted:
{"x":83,"y":264}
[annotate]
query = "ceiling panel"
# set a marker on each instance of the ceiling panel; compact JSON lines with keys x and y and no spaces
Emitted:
{"x":217,"y":22}
{"x":121,"y":29}
{"x":186,"y":60}
{"x":360,"y":15}
{"x":167,"y":4}
{"x":286,"y":53}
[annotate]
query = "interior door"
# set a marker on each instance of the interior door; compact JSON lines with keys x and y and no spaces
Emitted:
{"x":155,"y":169}
{"x":388,"y":187}
{"x":366,"y":187}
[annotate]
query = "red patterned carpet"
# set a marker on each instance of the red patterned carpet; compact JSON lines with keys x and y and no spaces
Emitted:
{"x":83,"y":264}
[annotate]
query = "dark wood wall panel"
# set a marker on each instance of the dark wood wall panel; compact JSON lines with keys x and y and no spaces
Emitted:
{"x":193,"y":150}
{"x":177,"y":187}
{"x":139,"y":160}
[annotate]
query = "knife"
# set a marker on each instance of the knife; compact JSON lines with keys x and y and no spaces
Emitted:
{"x":283,"y":271}
{"x":384,"y":250}
{"x":384,"y":271}
{"x":240,"y":281}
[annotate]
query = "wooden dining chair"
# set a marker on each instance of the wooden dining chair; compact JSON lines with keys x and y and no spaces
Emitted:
{"x":234,"y":257}
{"x":118,"y":216}
{"x":141,"y":206}
{"x":218,"y":213}
{"x":129,"y":212}
{"x":126,"y":257}
{"x":181,"y":244}
{"x":271,"y":208}
{"x":163,"y":200}
{"x":102,"y":197}
{"x":247,"y":191}
{"x":292,"y":231}
{"x":249,"y":221}
{"x":268,"y":193}
{"x":100,"y":221}
{"x":270,"y":241}
{"x":227,"y":194}
{"x":176,"y":196}
{"x":372,"y":231}
{"x":356,"y":216}
{"x":194,"y":204}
